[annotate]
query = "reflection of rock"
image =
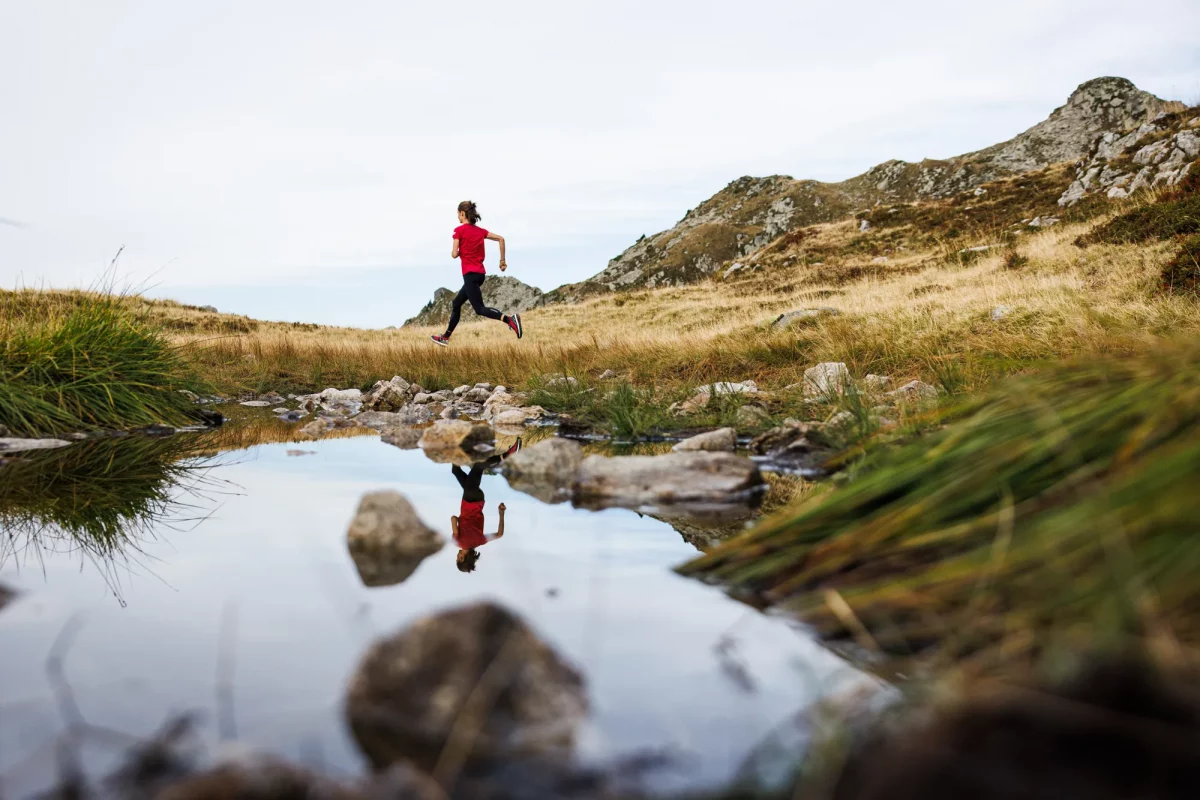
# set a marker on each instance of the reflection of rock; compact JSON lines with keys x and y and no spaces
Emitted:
{"x":475,"y":681}
{"x":545,"y":470}
{"x":720,"y":440}
{"x":666,"y":479}
{"x":454,"y":440}
{"x":387,"y":540}
{"x":404,"y":438}
{"x":6,"y":596}
{"x":258,"y":778}
{"x":706,"y":532}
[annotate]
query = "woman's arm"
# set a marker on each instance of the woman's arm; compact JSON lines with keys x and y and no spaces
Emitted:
{"x":500,"y":532}
{"x":495,"y":237}
{"x":454,"y":249}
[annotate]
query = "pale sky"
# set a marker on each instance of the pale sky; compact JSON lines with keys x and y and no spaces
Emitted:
{"x":303,"y":160}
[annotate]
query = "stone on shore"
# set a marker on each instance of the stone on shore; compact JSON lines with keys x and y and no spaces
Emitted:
{"x":666,"y":479}
{"x":387,"y":540}
{"x":387,"y":395}
{"x":519,"y":416}
{"x":720,"y":440}
{"x":827,"y":379}
{"x":416,"y":694}
{"x":544,"y":470}
{"x":752,"y":416}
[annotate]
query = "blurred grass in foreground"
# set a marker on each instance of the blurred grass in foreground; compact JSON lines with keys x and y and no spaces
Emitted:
{"x":1059,"y":509}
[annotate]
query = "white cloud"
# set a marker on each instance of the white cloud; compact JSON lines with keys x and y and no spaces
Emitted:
{"x":293,"y":144}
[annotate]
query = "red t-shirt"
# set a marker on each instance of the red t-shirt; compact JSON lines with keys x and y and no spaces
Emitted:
{"x":470,"y":526}
{"x":470,"y":247}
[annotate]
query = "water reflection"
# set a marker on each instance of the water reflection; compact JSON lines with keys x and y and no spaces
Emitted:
{"x":468,"y":526}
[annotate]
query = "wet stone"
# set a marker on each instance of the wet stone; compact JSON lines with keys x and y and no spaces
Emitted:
{"x":668,"y":479}
{"x":412,"y":691}
{"x":720,"y":440}
{"x":11,"y":445}
{"x":403,"y":437}
{"x":387,"y":540}
{"x":545,"y":470}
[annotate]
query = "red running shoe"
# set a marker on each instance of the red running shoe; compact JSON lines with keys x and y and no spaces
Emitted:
{"x":516,"y":446}
{"x":514,"y":322}
{"x":439,"y":339}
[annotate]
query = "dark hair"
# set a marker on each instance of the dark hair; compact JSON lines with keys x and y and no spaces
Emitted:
{"x":466,"y":560}
{"x":468,"y":208}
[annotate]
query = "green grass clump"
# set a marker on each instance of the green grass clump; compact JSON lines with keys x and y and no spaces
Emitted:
{"x":1060,"y":507}
{"x":93,"y":362}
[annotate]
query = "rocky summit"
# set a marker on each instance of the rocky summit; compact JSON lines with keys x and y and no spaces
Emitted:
{"x":751,"y":213}
{"x":507,"y":294}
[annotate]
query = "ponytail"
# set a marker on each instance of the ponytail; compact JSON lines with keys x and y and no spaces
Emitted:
{"x":468,"y":208}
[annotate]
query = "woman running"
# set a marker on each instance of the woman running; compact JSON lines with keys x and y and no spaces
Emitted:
{"x":468,"y":245}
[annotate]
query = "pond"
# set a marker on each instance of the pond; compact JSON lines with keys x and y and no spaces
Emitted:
{"x":178,"y":574}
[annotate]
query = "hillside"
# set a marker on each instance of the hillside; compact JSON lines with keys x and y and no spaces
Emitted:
{"x":751,"y":213}
{"x":507,"y":294}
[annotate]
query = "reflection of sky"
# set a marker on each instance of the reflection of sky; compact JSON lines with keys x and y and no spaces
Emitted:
{"x":276,"y":550}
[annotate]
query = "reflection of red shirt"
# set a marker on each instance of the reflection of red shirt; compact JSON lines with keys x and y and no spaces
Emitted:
{"x":470,"y":526}
{"x":471,"y":247}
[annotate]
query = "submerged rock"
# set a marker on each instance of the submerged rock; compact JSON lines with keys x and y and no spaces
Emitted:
{"x":11,"y":445}
{"x":720,"y":440}
{"x":387,"y":540}
{"x":544,"y":470}
{"x":475,"y":681}
{"x":666,"y":479}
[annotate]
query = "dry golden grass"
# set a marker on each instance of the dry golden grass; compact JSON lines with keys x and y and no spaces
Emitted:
{"x":917,"y":315}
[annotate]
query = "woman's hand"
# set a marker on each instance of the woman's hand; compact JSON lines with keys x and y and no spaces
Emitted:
{"x":503,"y":265}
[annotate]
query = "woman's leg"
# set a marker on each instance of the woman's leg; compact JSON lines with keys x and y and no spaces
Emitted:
{"x":456,"y":309}
{"x":473,"y":286}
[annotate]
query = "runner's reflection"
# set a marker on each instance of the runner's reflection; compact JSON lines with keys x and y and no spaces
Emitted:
{"x":468,"y":526}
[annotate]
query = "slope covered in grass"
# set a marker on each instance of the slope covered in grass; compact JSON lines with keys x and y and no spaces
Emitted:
{"x":71,"y":362}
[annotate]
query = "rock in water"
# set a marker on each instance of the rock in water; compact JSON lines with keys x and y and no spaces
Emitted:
{"x":720,"y":440}
{"x":449,"y":440}
{"x":545,"y":470}
{"x":474,"y":681}
{"x":666,"y":479}
{"x":387,"y":540}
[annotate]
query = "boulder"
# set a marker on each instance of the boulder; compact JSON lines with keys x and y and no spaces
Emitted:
{"x":461,"y":390}
{"x":208,"y":309}
{"x":341,"y":396}
{"x":402,"y":436}
{"x":498,"y":402}
{"x":665,"y":479}
{"x":477,"y":395}
{"x":827,"y":379}
{"x":455,"y":434}
{"x":475,"y":682}
{"x":752,"y":416}
{"x":423,"y":398}
{"x":486,"y":386}
{"x":916,"y":393}
{"x":12,"y":445}
{"x":387,"y":540}
{"x":387,"y":395}
{"x":545,"y":470}
{"x":720,"y":440}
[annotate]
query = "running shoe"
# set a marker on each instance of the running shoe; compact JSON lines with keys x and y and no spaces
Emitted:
{"x":516,"y":446}
{"x":439,"y":339}
{"x":514,"y":322}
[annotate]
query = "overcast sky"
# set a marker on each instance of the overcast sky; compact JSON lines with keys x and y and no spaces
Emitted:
{"x":302,"y":160}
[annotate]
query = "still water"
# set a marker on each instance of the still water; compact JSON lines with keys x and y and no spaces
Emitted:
{"x":243,"y":573}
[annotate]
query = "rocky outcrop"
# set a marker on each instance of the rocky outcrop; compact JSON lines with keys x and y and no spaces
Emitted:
{"x":387,"y":540}
{"x":507,"y":294}
{"x":1161,"y":152}
{"x":674,"y":478}
{"x":475,"y":682}
{"x":751,"y":213}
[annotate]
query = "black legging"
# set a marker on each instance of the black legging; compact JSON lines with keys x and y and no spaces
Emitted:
{"x":472,"y":290}
{"x":469,"y":482}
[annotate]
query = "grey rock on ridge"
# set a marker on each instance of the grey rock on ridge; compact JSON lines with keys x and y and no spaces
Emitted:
{"x":751,"y":213}
{"x":499,"y":291}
